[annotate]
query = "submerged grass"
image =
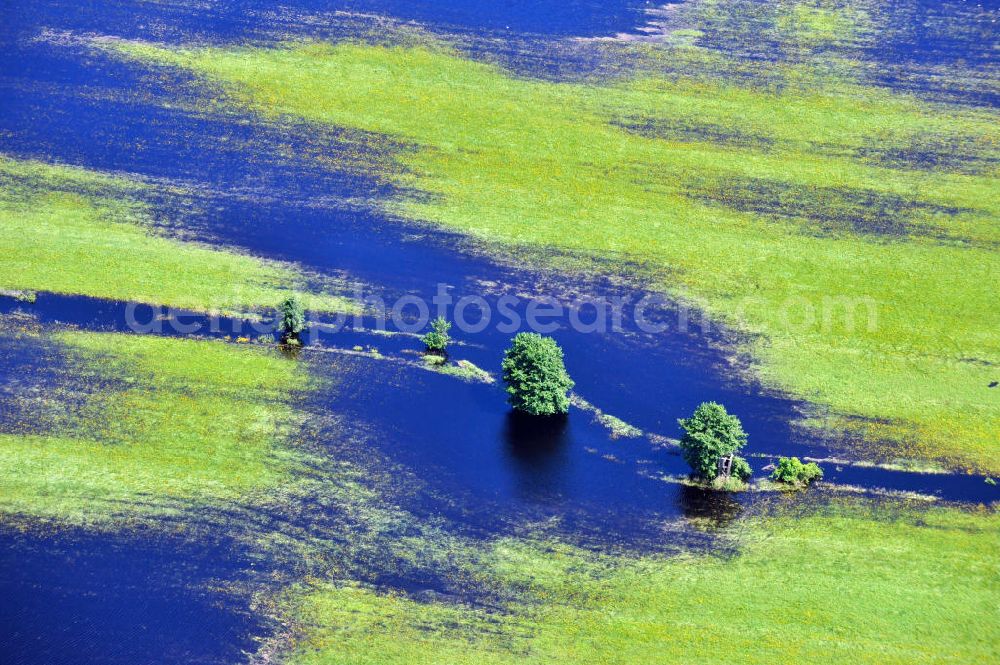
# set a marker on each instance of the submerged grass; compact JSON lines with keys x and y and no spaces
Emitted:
{"x":194,"y":436}
{"x":73,"y":231}
{"x":162,"y":423}
{"x":781,"y":255}
{"x":843,"y":585}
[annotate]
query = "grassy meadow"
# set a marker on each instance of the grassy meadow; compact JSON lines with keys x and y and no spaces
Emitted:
{"x":844,"y":584}
{"x":73,"y":231}
{"x":141,"y":426}
{"x":790,"y":209}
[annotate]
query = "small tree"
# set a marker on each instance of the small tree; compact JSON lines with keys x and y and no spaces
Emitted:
{"x":791,"y":470}
{"x":537,"y":381}
{"x":291,"y":320}
{"x":437,"y":339}
{"x":710,"y":435}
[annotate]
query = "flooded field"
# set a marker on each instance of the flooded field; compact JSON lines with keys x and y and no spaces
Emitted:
{"x":792,"y":203}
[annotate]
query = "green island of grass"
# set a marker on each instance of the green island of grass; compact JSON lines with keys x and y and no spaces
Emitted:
{"x":73,"y":231}
{"x":163,"y":424}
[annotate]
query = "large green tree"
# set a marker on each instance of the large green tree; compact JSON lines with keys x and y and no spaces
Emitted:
{"x":536,"y":377}
{"x":710,"y":434}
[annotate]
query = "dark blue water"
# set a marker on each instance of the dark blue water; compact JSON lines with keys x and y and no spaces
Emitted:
{"x":176,"y":19}
{"x":919,"y":40}
{"x":78,"y":598}
{"x":939,"y":32}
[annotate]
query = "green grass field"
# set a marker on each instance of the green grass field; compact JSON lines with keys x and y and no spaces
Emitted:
{"x":780,"y":236}
{"x":74,"y":231}
{"x":842,"y":585}
{"x":188,"y":425}
{"x":182,"y":422}
{"x":124,"y":430}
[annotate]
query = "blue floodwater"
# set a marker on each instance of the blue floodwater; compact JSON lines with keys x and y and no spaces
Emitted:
{"x":175,"y":19}
{"x":82,"y":599}
{"x":941,"y":32}
{"x":100,"y":600}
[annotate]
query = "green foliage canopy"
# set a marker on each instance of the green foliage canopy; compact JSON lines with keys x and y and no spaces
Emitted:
{"x":291,"y":319}
{"x":710,"y":434}
{"x":537,"y":381}
{"x":741,"y":469}
{"x":791,"y":470}
{"x":437,"y":339}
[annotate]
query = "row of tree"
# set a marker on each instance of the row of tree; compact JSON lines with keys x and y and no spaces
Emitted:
{"x":538,"y":384}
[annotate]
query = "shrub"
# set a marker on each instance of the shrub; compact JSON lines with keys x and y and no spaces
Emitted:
{"x":437,"y":339}
{"x":738,"y":478}
{"x":291,"y":320}
{"x":710,"y":434}
{"x":791,"y":470}
{"x":741,"y":469}
{"x":537,"y":381}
